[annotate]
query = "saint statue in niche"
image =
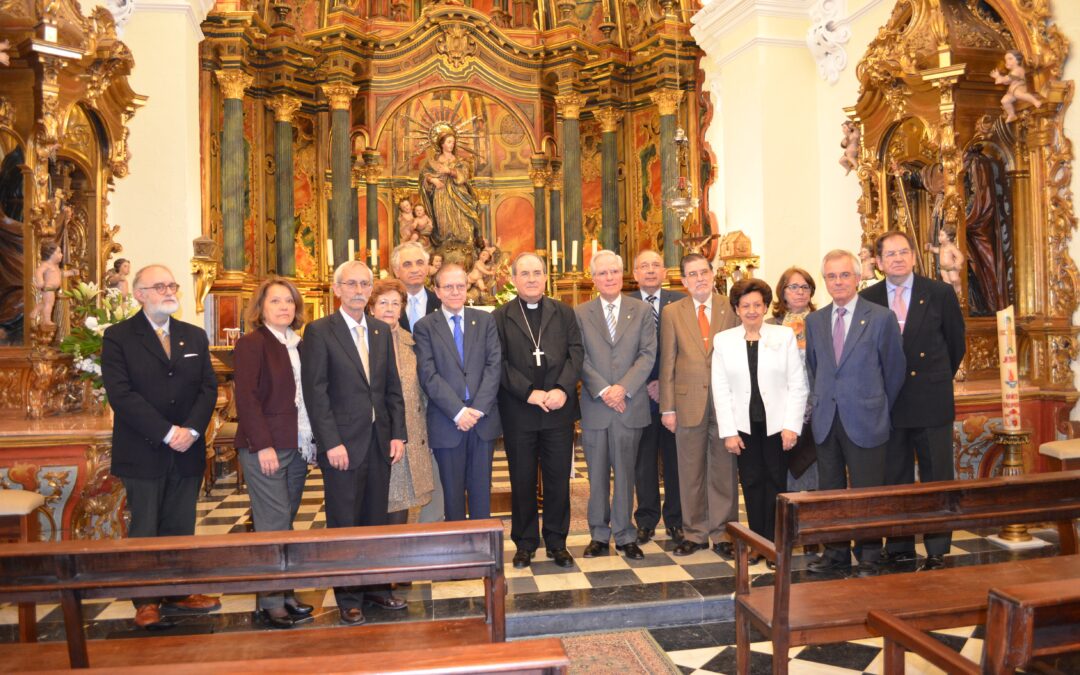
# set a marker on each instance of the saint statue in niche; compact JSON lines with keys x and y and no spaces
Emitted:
{"x":447,"y":193}
{"x":984,"y":221}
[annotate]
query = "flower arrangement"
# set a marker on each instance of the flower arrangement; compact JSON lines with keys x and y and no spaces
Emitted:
{"x":91,"y":313}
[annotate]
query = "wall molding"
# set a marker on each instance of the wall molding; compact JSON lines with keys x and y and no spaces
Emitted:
{"x":195,"y":10}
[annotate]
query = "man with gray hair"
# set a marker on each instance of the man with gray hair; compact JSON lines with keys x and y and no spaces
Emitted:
{"x":409,"y":262}
{"x":620,"y":346}
{"x":855,"y":361}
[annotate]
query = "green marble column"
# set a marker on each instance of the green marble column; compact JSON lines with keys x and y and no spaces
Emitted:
{"x":233,"y":83}
{"x":570,"y":106}
{"x":284,"y":209}
{"x":340,"y":96}
{"x":609,"y":183}
{"x":538,"y":174}
{"x":667,"y":101}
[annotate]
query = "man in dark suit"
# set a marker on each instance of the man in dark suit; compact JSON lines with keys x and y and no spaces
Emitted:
{"x":656,"y":441}
{"x":542,"y":355}
{"x":348,"y":372}
{"x":409,"y":262}
{"x":933,"y":333}
{"x":162,"y":390}
{"x":855,"y":360}
{"x":459,"y":360}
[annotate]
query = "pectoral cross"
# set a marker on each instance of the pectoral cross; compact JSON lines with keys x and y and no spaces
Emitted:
{"x":537,"y":353}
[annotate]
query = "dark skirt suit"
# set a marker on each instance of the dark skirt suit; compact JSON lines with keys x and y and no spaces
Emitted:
{"x":267,"y":417}
{"x":759,"y":389}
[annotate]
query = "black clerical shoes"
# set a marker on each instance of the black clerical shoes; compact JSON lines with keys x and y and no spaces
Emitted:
{"x":265,"y":618}
{"x":596,"y":548}
{"x":630,"y":550}
{"x":675,"y":533}
{"x":933,"y":562}
{"x":724,"y":549}
{"x":866,"y":569}
{"x":897,"y":558}
{"x":522,"y":558}
{"x":687,"y":547}
{"x":644,"y":534}
{"x":297,"y":609}
{"x":561,"y":557}
{"x":827,"y":565}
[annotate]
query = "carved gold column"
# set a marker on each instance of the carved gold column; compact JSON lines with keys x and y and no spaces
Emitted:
{"x":609,"y":184}
{"x":945,"y":79}
{"x":667,"y":100}
{"x":340,"y":96}
{"x":284,"y":108}
{"x":538,"y":174}
{"x":233,"y":82}
{"x":570,"y":108}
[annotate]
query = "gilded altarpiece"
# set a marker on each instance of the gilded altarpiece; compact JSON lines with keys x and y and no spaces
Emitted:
{"x":943,"y":159}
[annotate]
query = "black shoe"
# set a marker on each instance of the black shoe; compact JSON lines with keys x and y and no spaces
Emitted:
{"x":897,"y":558}
{"x":644,"y":534}
{"x":933,"y":562}
{"x":630,"y":550}
{"x":522,"y":558}
{"x":866,"y":569}
{"x":675,"y":533}
{"x":724,"y":549}
{"x":770,"y":564}
{"x":754,"y":559}
{"x":687,"y":547}
{"x":298,"y":609}
{"x":596,"y":548}
{"x":265,"y":618}
{"x":561,"y":557}
{"x":828,"y":566}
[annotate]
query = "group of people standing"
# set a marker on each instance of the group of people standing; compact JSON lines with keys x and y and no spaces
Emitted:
{"x":399,"y":395}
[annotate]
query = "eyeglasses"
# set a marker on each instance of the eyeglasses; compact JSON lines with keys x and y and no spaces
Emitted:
{"x":353,"y":284}
{"x":903,"y":253}
{"x":161,"y":288}
{"x":798,"y":287}
{"x":844,"y":276}
{"x":453,"y":288}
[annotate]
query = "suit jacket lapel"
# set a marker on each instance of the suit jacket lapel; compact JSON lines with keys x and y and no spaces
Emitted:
{"x":916,"y":310}
{"x":344,"y":336}
{"x":622,"y":322}
{"x":443,"y":329}
{"x":855,"y":331}
{"x":598,"y":318}
{"x":150,"y":339}
{"x":515,"y":314}
{"x":715,"y":321}
{"x":468,"y":331}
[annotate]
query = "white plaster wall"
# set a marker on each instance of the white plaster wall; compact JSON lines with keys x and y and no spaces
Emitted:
{"x":157,"y":206}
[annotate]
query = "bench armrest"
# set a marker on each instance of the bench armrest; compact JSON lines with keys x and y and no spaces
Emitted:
{"x":900,"y":636}
{"x":756,"y":542}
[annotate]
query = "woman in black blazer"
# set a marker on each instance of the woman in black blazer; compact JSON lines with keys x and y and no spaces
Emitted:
{"x":273,"y":436}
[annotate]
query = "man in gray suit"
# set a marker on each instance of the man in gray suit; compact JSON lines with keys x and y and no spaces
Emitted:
{"x":855,"y":360}
{"x":620,"y":346}
{"x":459,"y":359}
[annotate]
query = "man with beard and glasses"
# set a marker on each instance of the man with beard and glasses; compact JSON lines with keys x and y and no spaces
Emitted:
{"x":162,"y":390}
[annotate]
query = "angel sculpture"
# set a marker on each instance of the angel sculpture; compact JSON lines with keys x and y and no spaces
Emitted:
{"x":1016,"y":77}
{"x":851,"y":143}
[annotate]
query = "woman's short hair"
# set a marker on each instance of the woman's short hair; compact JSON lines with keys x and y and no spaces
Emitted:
{"x":745,"y":286}
{"x":780,"y":307}
{"x":254,"y":313}
{"x":384,"y":286}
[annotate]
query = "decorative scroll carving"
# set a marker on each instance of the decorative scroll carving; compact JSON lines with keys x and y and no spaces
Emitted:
{"x":826,"y":38}
{"x":204,"y":268}
{"x":456,"y":45}
{"x":97,"y":513}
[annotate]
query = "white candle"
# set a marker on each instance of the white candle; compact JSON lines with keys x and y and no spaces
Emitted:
{"x":554,"y":253}
{"x":594,"y":247}
{"x":373,"y":248}
{"x":573,"y":253}
{"x":352,"y":248}
{"x":1010,"y":380}
{"x":330,"y":251}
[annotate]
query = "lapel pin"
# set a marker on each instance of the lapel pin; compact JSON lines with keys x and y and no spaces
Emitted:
{"x":181,"y":343}
{"x":376,"y":331}
{"x":920,"y":302}
{"x":474,"y":322}
{"x":863,"y":322}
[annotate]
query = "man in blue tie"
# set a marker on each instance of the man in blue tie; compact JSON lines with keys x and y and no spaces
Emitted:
{"x":409,"y":262}
{"x":459,"y":359}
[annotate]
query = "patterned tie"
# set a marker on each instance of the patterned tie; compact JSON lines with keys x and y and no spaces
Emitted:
{"x":611,"y":320}
{"x":362,"y":347}
{"x":838,"y":333}
{"x":459,"y":342}
{"x":703,"y":325}
{"x":655,"y":312}
{"x":164,"y":337}
{"x":899,"y":307}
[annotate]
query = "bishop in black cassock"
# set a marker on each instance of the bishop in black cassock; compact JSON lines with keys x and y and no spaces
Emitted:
{"x":542,"y":358}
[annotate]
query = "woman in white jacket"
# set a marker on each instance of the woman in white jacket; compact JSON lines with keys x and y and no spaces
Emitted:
{"x":759,"y":390}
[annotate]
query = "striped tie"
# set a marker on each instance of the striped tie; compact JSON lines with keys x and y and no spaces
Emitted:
{"x":611,"y":320}
{"x":655,"y":312}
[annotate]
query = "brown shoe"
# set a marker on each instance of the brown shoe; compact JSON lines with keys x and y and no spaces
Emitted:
{"x":149,"y":617}
{"x":352,"y":616}
{"x":192,"y":604}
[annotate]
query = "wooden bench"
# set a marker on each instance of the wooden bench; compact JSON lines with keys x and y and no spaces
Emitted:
{"x":819,"y":612}
{"x":539,"y":657}
{"x":1023,"y":623}
{"x":19,"y":523}
{"x":72,"y":571}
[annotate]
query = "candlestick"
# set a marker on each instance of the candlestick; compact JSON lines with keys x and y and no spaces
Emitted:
{"x":573,"y":253}
{"x":595,"y":246}
{"x":1010,"y":381}
{"x":373,"y":248}
{"x":352,"y":248}
{"x":330,"y":251}
{"x":554,"y":253}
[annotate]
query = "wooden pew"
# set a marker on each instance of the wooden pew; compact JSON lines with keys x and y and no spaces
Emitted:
{"x":819,"y":612}
{"x":72,"y":571}
{"x":1024,"y":622}
{"x":539,"y":657}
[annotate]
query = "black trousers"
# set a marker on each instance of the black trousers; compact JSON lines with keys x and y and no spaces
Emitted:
{"x":552,"y":451}
{"x":657,"y":442}
{"x":933,"y":446}
{"x":763,"y":475}
{"x":357,"y":496}
{"x":840,"y":461}
{"x":162,"y":507}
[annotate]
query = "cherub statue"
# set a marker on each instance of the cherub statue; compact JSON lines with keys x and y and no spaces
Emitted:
{"x":482,"y":274}
{"x":869,"y":268}
{"x":852,"y":140}
{"x":406,"y":227}
{"x":423,"y":226}
{"x":1016,"y":77}
{"x":47,"y":279}
{"x":950,"y":258}
{"x":117,"y":277}
{"x":5,"y":58}
{"x":433,"y":266}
